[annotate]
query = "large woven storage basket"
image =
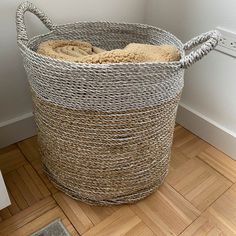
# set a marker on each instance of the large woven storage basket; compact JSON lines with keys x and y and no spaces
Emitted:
{"x":105,"y":130}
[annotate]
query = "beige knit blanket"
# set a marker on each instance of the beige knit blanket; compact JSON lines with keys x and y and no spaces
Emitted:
{"x":83,"y":52}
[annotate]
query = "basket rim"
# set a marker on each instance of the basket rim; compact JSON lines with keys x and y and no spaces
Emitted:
{"x":173,"y":64}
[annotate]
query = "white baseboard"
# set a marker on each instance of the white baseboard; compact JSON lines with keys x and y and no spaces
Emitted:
{"x":17,"y":129}
{"x":207,"y":129}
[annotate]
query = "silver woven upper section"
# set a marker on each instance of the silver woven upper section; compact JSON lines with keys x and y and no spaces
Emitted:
{"x":106,"y":87}
{"x":110,"y":87}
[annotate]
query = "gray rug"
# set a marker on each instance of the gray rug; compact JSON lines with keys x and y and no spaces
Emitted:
{"x":55,"y":228}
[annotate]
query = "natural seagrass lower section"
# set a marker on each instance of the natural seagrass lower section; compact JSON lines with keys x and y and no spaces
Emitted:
{"x":106,"y":158}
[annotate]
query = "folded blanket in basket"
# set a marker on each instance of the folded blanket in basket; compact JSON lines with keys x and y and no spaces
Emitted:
{"x":83,"y":52}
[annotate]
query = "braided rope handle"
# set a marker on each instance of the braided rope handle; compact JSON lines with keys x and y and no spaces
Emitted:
{"x":209,"y":40}
{"x":20,"y":23}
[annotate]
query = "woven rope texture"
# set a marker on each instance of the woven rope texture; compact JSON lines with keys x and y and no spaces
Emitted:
{"x":105,"y":130}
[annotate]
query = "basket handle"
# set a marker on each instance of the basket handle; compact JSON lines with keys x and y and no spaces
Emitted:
{"x":20,"y":23}
{"x":209,"y":40}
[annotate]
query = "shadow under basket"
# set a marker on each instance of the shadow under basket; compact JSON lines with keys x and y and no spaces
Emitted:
{"x":105,"y":130}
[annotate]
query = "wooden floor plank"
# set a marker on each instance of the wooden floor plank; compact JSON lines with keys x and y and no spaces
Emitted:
{"x":194,"y":147}
{"x":15,"y":191}
{"x":43,"y":220}
{"x":37,"y":181}
{"x":166,"y":212}
{"x":177,"y":159}
{"x":121,"y":222}
{"x":198,"y":183}
{"x":188,"y":143}
{"x":219,"y":219}
{"x":97,"y":213}
{"x":23,"y":188}
{"x":181,"y":136}
{"x":83,"y":216}
{"x":37,"y":165}
{"x":140,"y":230}
{"x":11,"y":158}
{"x":224,"y":209}
{"x":74,"y":212}
{"x":30,"y":182}
{"x":206,"y":225}
{"x":5,"y":214}
{"x":13,"y":208}
{"x":29,"y":147}
{"x":220,"y":161}
{"x":17,"y":221}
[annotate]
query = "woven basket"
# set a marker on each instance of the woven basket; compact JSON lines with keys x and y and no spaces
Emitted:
{"x":105,"y":130}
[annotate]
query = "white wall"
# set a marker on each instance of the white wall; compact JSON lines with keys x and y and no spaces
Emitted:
{"x":210,"y":85}
{"x":15,"y":100}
